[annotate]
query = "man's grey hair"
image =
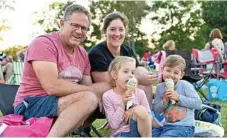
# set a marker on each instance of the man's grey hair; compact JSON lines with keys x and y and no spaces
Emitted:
{"x":75,"y":8}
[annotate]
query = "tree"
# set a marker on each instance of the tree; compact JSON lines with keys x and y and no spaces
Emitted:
{"x":98,"y":10}
{"x":5,"y":6}
{"x":214,"y":15}
{"x":13,"y":50}
{"x":180,"y":21}
{"x":3,"y":27}
{"x":50,"y":19}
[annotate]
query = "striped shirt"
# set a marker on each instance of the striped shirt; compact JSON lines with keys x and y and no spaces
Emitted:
{"x":115,"y":113}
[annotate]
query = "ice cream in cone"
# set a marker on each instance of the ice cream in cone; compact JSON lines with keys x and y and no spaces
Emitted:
{"x":170,"y":87}
{"x":131,"y":86}
{"x":169,"y":84}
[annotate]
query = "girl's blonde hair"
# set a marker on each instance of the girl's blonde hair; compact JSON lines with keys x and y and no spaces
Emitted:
{"x":168,"y":44}
{"x":175,"y":60}
{"x":215,"y":33}
{"x":115,"y":66}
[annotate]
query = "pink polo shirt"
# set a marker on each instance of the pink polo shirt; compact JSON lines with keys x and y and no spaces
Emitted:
{"x":71,"y":67}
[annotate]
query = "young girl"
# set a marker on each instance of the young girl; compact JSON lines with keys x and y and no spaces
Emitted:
{"x":133,"y":122}
{"x":179,"y":114}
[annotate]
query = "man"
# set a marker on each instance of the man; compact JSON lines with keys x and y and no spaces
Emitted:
{"x":56,"y":80}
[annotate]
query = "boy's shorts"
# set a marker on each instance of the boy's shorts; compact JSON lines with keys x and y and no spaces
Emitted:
{"x":38,"y":106}
{"x":133,"y":131}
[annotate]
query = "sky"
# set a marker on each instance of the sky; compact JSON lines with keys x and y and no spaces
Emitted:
{"x":21,"y":21}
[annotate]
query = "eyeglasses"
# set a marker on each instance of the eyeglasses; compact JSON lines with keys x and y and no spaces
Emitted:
{"x":77,"y":26}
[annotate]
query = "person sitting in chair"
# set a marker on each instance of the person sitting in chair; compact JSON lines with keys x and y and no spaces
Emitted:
{"x":6,"y":67}
{"x":56,"y":81}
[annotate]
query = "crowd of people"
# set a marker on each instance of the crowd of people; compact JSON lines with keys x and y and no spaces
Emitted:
{"x":61,"y":80}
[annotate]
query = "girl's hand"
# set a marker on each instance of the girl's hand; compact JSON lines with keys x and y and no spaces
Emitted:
{"x":128,"y":115}
{"x":127,"y":96}
{"x":173,"y":95}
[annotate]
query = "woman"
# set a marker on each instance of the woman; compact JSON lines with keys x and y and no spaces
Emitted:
{"x":169,"y":45}
{"x":216,"y":41}
{"x":101,"y":55}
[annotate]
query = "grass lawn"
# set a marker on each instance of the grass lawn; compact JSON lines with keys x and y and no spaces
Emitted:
{"x":105,"y":131}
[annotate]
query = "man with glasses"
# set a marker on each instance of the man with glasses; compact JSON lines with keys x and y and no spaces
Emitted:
{"x":56,"y":81}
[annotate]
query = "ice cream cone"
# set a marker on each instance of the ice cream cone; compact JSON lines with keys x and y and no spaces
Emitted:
{"x":170,"y":87}
{"x":131,"y":86}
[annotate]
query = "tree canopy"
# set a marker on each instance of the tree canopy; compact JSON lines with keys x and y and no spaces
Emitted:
{"x":214,"y":15}
{"x":180,"y":22}
{"x":188,"y":23}
{"x":99,"y":9}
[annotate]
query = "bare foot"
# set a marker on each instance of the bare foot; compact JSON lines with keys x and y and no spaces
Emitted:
{"x":2,"y":81}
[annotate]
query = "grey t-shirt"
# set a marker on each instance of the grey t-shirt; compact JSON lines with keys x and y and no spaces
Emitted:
{"x":182,"y":113}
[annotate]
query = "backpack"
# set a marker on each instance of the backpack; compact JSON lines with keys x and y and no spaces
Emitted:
{"x":209,"y":113}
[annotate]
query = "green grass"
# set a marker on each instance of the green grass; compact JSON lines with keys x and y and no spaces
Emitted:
{"x":223,"y":113}
{"x":105,"y":131}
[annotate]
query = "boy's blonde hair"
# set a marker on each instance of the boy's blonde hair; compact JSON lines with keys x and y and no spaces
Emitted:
{"x":175,"y":60}
{"x":115,"y":66}
{"x":168,"y":44}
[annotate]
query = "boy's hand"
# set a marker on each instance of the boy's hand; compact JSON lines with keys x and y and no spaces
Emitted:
{"x":165,"y":99}
{"x":173,"y":95}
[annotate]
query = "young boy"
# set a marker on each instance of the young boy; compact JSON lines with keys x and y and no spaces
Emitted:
{"x":179,"y":115}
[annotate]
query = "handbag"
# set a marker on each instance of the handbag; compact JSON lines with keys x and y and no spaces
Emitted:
{"x":12,"y":125}
{"x":217,"y":90}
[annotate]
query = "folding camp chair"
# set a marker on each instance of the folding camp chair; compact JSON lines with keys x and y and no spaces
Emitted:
{"x":7,"y":95}
{"x":17,"y":73}
{"x":207,"y":63}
